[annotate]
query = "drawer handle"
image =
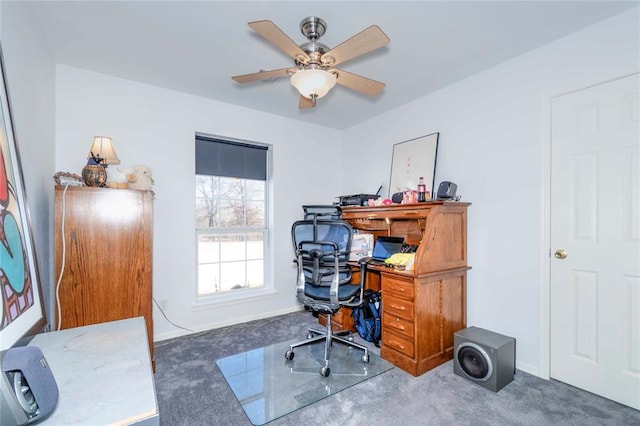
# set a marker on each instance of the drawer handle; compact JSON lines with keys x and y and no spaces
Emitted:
{"x":397,"y":326}
{"x":397,"y":344}
{"x":398,"y":289}
{"x":402,"y":308}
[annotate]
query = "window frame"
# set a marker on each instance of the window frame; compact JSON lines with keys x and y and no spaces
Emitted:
{"x":203,"y":301}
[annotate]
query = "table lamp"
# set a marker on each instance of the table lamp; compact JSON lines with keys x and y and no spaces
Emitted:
{"x":101,"y":154}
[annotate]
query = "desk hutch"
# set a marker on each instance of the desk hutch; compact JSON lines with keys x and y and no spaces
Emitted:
{"x":107,"y":260}
{"x":421,"y":308}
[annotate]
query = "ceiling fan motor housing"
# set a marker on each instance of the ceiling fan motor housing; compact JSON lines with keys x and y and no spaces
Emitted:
{"x":314,"y":51}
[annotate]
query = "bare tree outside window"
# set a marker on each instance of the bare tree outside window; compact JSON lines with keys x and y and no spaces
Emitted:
{"x":231,"y":229}
{"x":207,"y":201}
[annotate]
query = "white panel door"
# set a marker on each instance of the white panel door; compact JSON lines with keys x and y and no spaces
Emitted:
{"x":595,"y":239}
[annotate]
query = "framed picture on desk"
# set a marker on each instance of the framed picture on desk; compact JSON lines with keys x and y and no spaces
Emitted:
{"x":412,"y":159}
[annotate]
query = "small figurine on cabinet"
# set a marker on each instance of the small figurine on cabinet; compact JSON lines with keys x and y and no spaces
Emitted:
{"x":140,"y":178}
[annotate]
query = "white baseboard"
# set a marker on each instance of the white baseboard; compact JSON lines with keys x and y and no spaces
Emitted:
{"x":528,"y":368}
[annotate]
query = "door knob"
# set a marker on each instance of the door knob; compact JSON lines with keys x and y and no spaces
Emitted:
{"x":560,"y":254}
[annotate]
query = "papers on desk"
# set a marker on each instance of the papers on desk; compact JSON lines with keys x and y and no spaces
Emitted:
{"x":361,"y":246}
{"x":402,"y":259}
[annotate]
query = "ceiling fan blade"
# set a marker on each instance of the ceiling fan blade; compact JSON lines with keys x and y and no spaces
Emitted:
{"x":365,"y":41}
{"x":261,"y":75}
{"x":358,"y":83}
{"x":274,"y":35}
{"x":306,"y":102}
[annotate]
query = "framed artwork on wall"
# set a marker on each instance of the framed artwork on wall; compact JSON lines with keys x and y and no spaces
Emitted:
{"x":22,"y":306}
{"x":412,"y":159}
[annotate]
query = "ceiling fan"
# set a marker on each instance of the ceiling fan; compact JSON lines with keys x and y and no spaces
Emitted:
{"x":314,"y":73}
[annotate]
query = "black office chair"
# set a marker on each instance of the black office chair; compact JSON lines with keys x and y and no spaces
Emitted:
{"x":323,"y":284}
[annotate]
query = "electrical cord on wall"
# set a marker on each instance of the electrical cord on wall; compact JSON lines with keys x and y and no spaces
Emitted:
{"x":171,"y":322}
{"x":64,"y":255}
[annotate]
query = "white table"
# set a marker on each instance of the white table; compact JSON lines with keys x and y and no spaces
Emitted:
{"x":103,"y":373}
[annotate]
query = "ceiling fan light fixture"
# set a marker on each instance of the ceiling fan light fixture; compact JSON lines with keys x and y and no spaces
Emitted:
{"x":313,"y":82}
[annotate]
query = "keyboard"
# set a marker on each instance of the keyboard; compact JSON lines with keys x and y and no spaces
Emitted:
{"x":371,"y":261}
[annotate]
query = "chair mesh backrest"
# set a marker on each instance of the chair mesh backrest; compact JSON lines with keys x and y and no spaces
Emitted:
{"x":318,"y":242}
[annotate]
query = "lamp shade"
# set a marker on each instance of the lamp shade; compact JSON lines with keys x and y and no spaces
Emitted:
{"x":313,"y":83}
{"x":102,"y":147}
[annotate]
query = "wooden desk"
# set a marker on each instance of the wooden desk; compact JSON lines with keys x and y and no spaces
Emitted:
{"x":422,"y":308}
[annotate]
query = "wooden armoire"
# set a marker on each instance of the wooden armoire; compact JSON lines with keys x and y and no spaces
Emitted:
{"x":103,"y":252}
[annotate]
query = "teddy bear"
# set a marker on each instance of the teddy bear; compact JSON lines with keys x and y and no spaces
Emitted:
{"x":140,"y":177}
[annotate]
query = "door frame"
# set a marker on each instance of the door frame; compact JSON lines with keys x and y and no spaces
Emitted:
{"x":544,"y":293}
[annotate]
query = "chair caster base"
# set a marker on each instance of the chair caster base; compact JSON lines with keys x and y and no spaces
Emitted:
{"x":325,"y":371}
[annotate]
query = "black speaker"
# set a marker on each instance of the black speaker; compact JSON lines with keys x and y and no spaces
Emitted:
{"x":484,"y":357}
{"x":397,"y":197}
{"x":28,"y":390}
{"x":446,"y":190}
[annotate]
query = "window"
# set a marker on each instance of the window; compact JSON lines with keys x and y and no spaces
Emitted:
{"x":231,"y":222}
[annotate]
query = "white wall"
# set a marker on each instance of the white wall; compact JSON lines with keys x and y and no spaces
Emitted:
{"x":491,"y":130}
{"x":157,"y":127}
{"x":31,"y":84}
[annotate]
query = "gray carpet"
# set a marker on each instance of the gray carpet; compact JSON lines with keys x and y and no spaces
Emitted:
{"x":192,"y":391}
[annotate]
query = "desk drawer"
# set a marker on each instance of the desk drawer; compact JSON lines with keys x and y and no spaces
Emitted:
{"x":397,"y":287}
{"x":397,"y":307}
{"x":397,"y":325}
{"x":398,"y":343}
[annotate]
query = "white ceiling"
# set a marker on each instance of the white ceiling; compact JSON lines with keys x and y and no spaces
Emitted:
{"x":196,"y":46}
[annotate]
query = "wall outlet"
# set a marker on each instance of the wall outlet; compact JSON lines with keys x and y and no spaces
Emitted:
{"x":164,"y":305}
